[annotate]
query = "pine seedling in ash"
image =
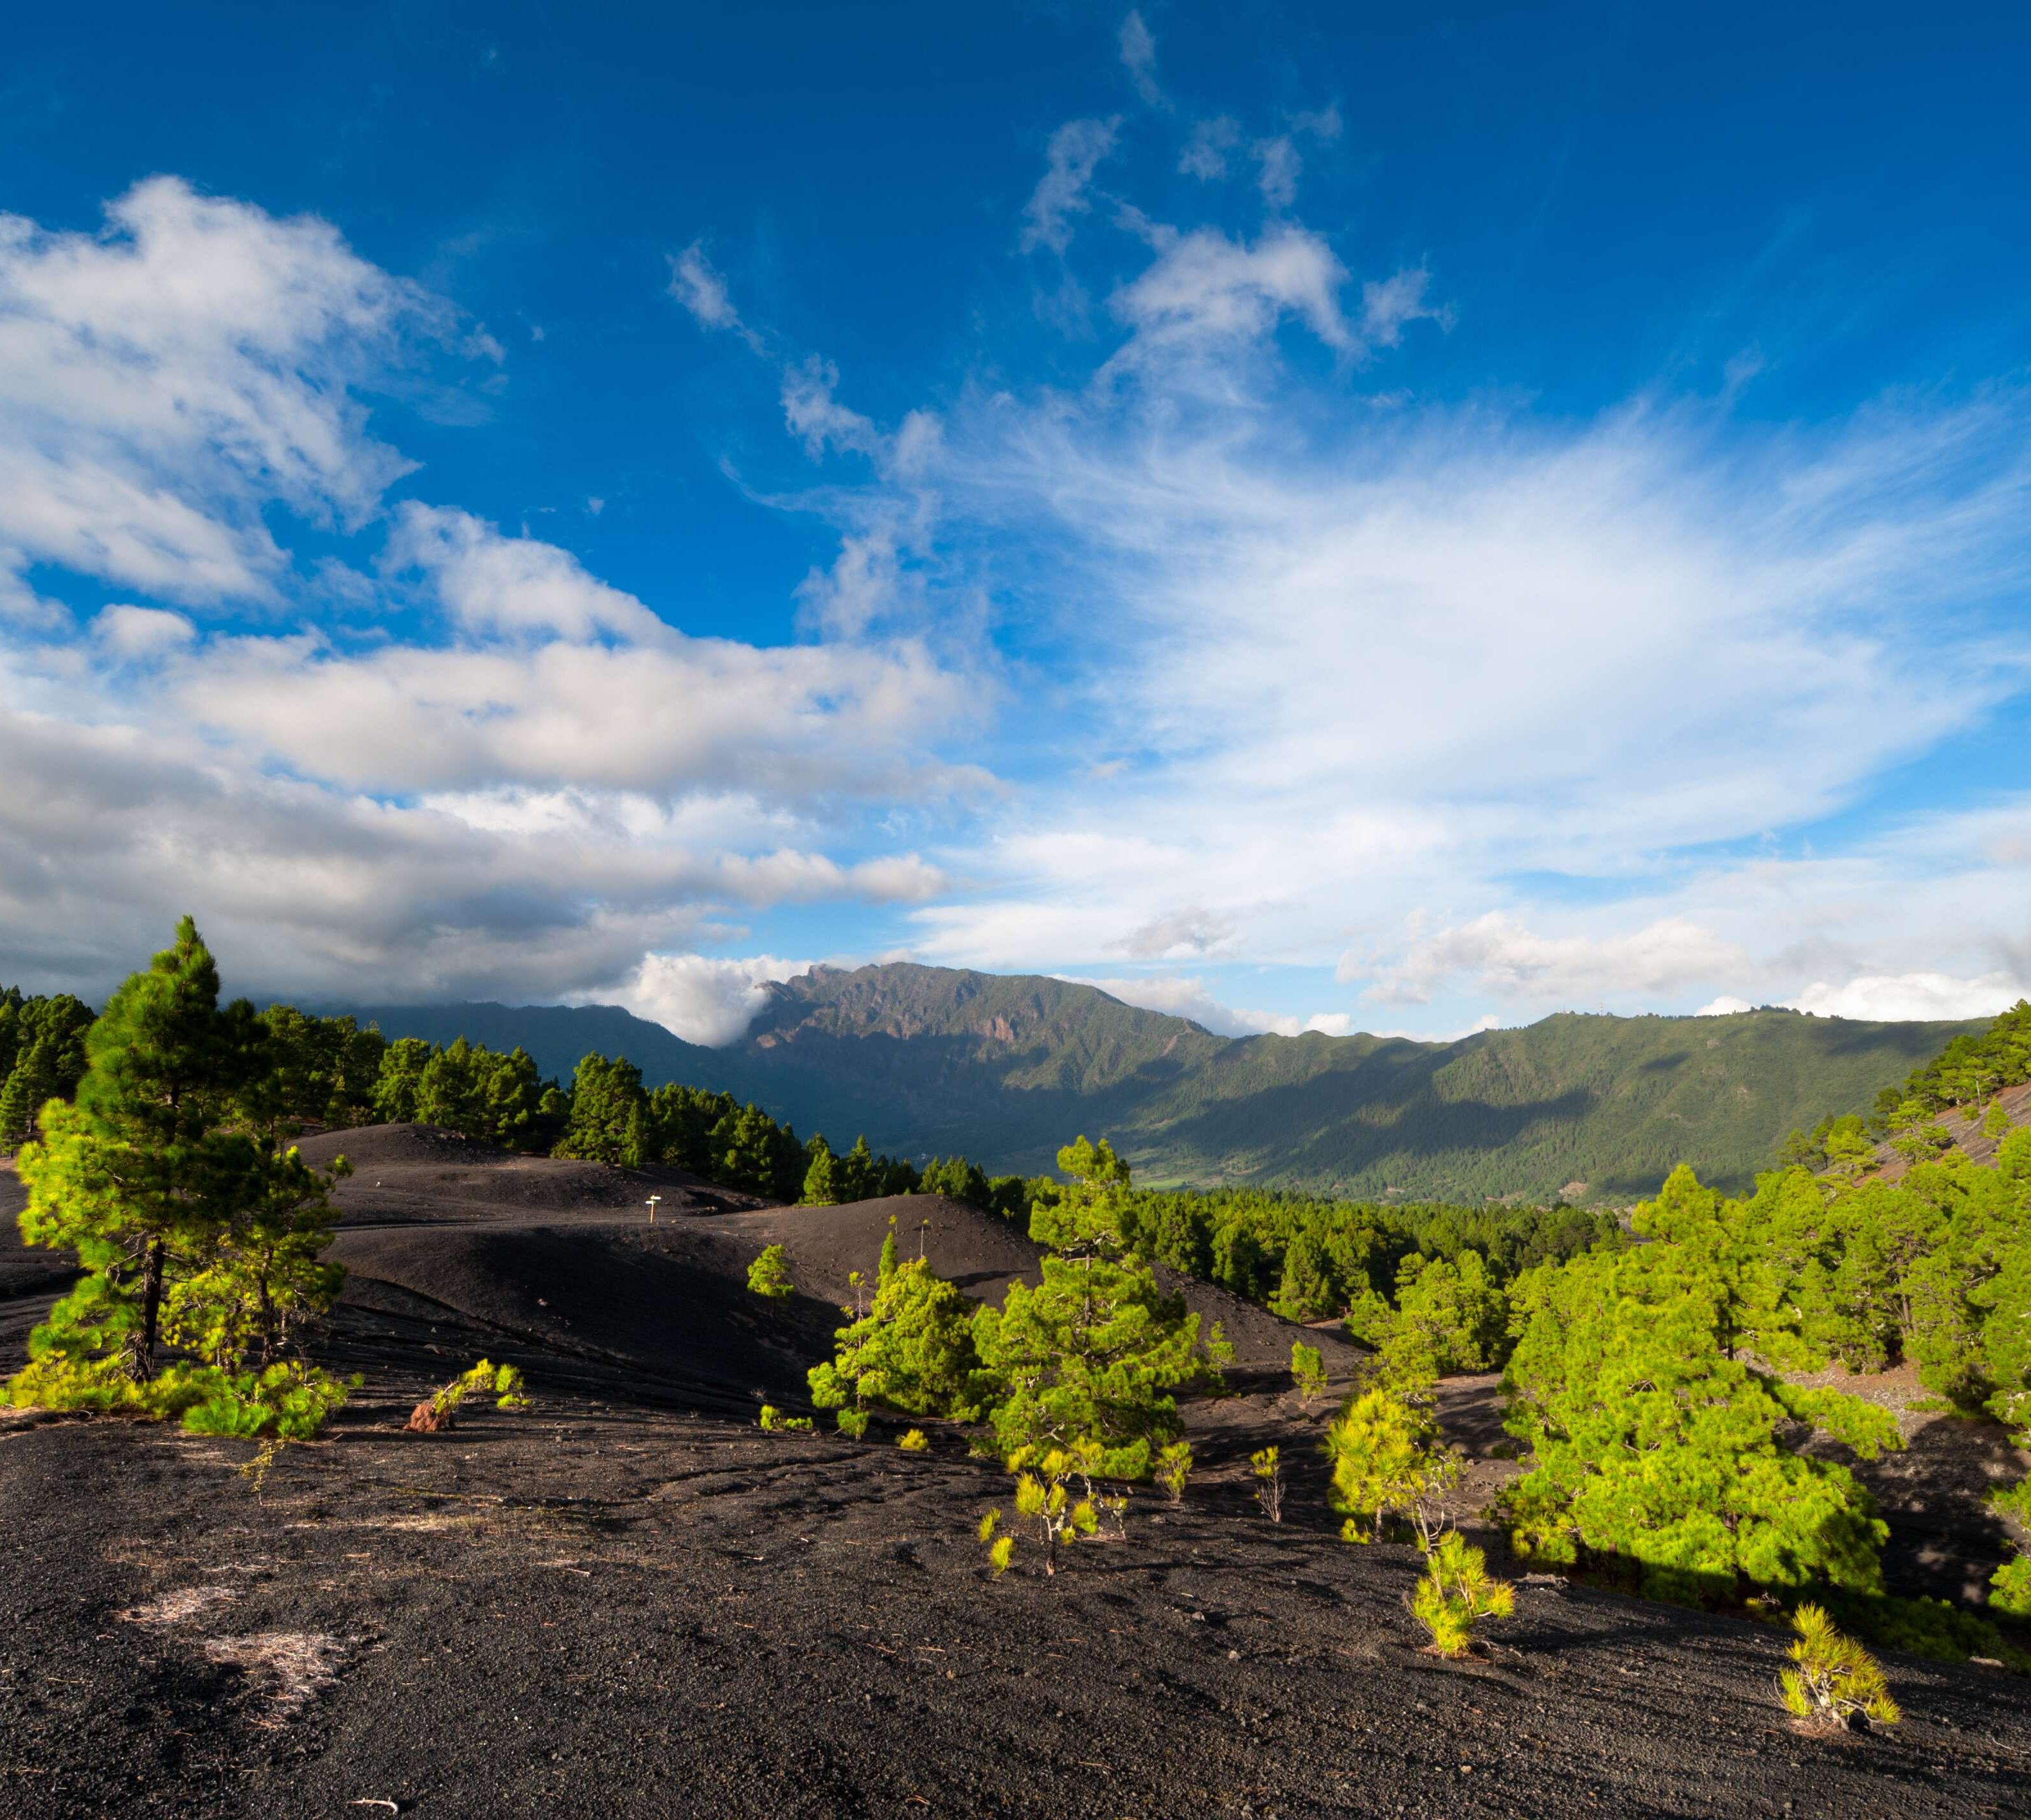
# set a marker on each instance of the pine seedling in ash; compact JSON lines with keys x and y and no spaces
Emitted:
{"x":916,"y":1440}
{"x":852,"y":1423}
{"x":1268,"y":1467}
{"x":502,"y":1382}
{"x":1043,"y":1496}
{"x":1456,"y":1592}
{"x":1308,"y":1372}
{"x":1832,"y":1680}
{"x":775,"y":1422}
{"x":1173,"y":1466}
{"x":770,"y":1275}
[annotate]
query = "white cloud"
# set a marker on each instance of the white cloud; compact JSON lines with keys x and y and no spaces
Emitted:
{"x":141,"y":632}
{"x":1493,"y":954}
{"x":699,"y":999}
{"x":815,"y":416}
{"x":1186,"y":996}
{"x":165,"y":380}
{"x":1911,"y":997}
{"x":1076,"y":148}
{"x":1138,"y":57}
{"x":544,"y":783}
{"x":1205,"y":298}
{"x":1278,"y":165}
{"x":513,"y":585}
{"x":1204,"y":155}
{"x":1388,"y":306}
{"x":696,"y":284}
{"x":1724,"y":1006}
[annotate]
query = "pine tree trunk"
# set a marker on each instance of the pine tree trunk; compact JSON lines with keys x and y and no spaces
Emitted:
{"x":152,"y":1312}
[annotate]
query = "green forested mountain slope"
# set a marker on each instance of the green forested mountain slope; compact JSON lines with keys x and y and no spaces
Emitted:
{"x":931,"y":1060}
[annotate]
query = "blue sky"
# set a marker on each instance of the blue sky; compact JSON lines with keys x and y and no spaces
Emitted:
{"x":1304,"y":516}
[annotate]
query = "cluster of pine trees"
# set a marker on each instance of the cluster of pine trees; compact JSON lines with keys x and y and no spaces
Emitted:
{"x":1964,"y":1078}
{"x":42,"y":1057}
{"x":1085,"y":1364}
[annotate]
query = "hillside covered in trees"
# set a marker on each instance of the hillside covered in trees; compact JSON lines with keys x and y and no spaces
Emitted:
{"x":929,"y":1060}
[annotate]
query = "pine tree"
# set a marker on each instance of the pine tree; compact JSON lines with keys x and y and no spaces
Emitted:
{"x":821,"y":1176}
{"x":1306,"y":1292}
{"x":137,"y":1176}
{"x":1457,"y":1591}
{"x":858,"y":1177}
{"x":913,"y":1350}
{"x":885,"y":1267}
{"x":1308,"y":1372}
{"x":768,"y":1276}
{"x":1832,"y":1680}
{"x":1094,"y":1351}
{"x":607,"y":1110}
{"x":1386,"y":1461}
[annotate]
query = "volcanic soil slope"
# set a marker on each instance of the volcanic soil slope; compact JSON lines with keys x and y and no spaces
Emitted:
{"x":629,"y":1601}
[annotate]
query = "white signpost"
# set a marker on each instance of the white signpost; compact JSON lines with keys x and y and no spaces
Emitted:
{"x":653,"y":1200}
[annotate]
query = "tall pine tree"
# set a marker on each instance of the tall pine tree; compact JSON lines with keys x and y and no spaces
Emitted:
{"x":137,"y":1176}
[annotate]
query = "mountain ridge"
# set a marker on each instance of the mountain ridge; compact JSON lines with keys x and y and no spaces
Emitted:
{"x":1005,"y":1068}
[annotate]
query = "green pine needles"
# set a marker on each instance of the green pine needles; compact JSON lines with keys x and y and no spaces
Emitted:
{"x":1455,"y":1592}
{"x":1832,"y":1681}
{"x":1389,"y":1463}
{"x":913,"y":1350}
{"x":1659,"y":1438}
{"x":440,"y":1409}
{"x":1173,"y":1466}
{"x":768,"y":1276}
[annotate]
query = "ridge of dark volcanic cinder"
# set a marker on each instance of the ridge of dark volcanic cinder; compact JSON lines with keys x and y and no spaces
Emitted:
{"x":630,"y":1601}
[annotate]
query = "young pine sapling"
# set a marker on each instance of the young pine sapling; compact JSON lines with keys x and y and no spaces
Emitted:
{"x":1173,"y":1466}
{"x":1832,"y":1681}
{"x":1268,"y":1467}
{"x":1308,"y":1372}
{"x":1043,"y":1496}
{"x":1457,"y":1591}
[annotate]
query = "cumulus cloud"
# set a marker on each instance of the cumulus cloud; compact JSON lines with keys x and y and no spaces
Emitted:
{"x":166,"y":380}
{"x":515,"y":586}
{"x":1186,"y":996}
{"x":1910,"y":997}
{"x":1494,"y":954}
{"x":141,"y":632}
{"x":1386,"y":307}
{"x":1205,"y":298}
{"x":702,"y":999}
{"x":1075,"y":150}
